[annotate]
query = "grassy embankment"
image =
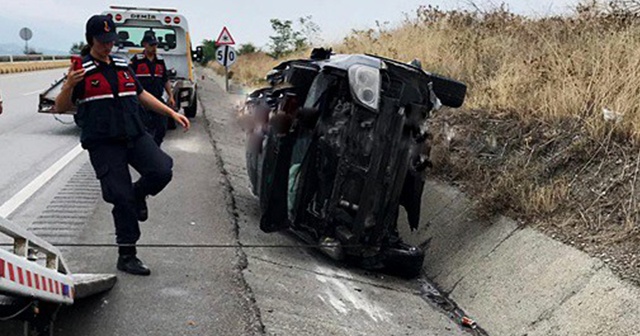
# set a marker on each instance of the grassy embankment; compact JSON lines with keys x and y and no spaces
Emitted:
{"x":532,"y":140}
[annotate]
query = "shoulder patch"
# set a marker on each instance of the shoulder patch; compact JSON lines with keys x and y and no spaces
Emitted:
{"x":139,"y":56}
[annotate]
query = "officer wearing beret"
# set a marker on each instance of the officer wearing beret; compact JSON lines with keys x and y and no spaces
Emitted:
{"x":151,"y":71}
{"x":108,"y":98}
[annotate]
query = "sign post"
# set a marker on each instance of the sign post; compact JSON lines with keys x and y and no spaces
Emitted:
{"x":26,"y":34}
{"x":225,"y":54}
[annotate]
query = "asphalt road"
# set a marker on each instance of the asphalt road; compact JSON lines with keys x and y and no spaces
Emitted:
{"x":29,"y":142}
{"x":203,"y":282}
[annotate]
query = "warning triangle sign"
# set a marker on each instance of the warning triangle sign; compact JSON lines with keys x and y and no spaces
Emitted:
{"x":225,"y":37}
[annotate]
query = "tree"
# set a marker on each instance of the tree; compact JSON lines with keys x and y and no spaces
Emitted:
{"x":208,"y":51}
{"x":310,"y":30}
{"x":247,"y":48}
{"x":285,"y":39}
{"x":288,"y":39}
{"x":76,"y":48}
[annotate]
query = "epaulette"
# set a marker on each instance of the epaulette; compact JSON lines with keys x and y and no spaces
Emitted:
{"x":89,"y":64}
{"x":140,"y":56}
{"x":120,"y":62}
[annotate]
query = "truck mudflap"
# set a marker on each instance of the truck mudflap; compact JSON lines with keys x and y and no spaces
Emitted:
{"x":35,"y":280}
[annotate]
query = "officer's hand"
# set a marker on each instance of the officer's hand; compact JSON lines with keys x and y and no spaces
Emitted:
{"x":0,"y":107}
{"x":74,"y":77}
{"x":182,"y":120}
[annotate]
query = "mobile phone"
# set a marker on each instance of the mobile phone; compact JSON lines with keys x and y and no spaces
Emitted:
{"x":77,"y":62}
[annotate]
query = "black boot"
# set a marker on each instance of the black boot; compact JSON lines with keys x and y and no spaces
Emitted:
{"x":132,"y":265}
{"x":141,"y":204}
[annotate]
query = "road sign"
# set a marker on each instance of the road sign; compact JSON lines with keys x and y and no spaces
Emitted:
{"x":26,"y":34}
{"x":225,"y":37}
{"x":226,"y":55}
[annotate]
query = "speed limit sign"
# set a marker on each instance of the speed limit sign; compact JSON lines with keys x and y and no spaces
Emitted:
{"x":226,"y":55}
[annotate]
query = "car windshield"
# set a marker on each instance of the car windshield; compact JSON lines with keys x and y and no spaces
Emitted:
{"x":129,"y":36}
{"x":320,"y":85}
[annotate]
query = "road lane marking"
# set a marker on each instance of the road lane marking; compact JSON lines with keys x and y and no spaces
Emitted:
{"x":31,"y":93}
{"x":23,"y":195}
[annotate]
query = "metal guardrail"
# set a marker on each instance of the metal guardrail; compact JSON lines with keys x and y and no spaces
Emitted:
{"x":31,"y":58}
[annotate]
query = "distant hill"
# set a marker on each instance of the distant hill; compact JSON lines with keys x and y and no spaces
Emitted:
{"x":17,"y":49}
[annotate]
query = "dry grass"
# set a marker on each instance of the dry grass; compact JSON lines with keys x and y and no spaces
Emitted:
{"x":545,"y":69}
{"x":542,"y":68}
{"x":31,"y":66}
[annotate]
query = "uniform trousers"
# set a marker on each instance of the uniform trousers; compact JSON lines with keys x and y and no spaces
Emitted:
{"x":111,"y":163}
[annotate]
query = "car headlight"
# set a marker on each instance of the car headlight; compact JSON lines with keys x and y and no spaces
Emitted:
{"x":365,"y":85}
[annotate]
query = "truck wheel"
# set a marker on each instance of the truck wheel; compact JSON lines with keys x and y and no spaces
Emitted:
{"x":190,"y":111}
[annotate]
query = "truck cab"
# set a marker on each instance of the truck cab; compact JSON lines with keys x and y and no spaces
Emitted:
{"x":172,"y":31}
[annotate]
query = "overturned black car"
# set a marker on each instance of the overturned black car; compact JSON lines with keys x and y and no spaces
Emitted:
{"x":336,"y":145}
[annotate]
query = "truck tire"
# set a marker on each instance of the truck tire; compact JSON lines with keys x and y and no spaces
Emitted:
{"x":190,"y":111}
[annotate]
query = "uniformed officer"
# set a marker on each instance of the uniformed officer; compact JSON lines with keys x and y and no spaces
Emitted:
{"x":152,"y":74}
{"x":108,"y":98}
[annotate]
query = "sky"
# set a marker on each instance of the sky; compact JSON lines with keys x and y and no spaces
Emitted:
{"x":56,"y":24}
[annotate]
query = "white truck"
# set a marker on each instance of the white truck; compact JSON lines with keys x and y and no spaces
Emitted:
{"x":172,"y":31}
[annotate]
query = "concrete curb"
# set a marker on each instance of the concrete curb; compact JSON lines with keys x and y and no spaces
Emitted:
{"x":7,"y":68}
{"x":514,"y":280}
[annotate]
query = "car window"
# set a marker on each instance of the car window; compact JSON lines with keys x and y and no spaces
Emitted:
{"x":129,"y":36}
